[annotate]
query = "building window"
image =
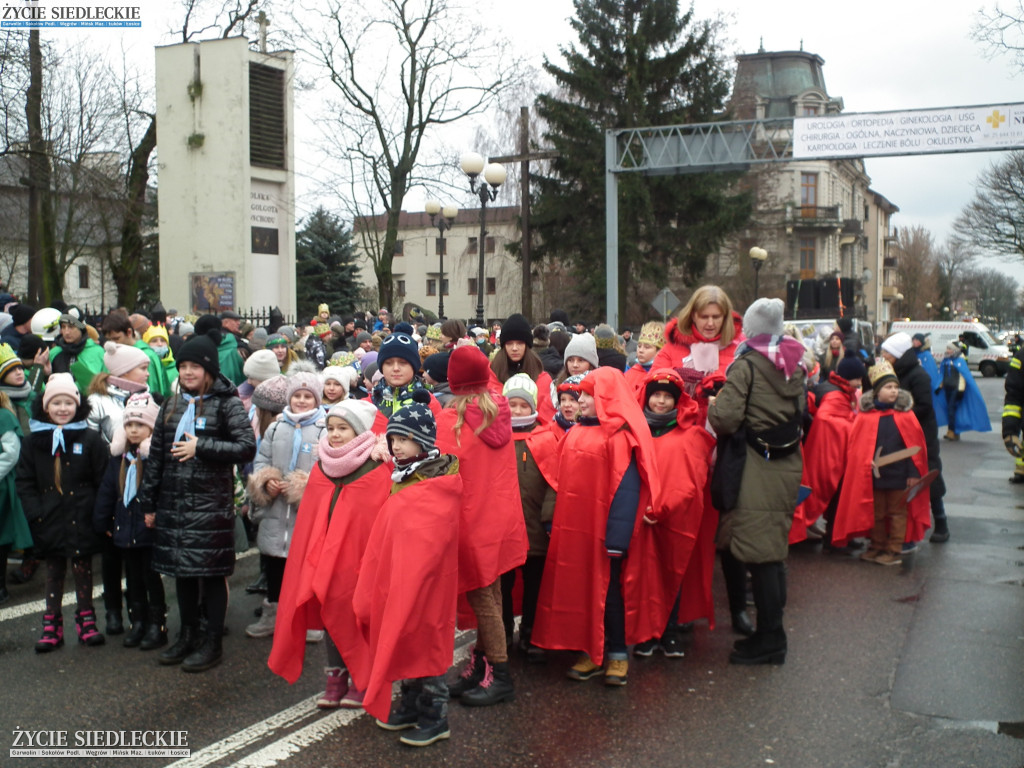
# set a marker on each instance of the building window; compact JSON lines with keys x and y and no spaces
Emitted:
{"x":471,"y":248}
{"x":472,"y":286}
{"x":810,"y":110}
{"x":809,"y":195}
{"x":807,"y":257}
{"x":83,"y":276}
{"x":431,"y":287}
{"x":399,"y":247}
{"x":400,"y":287}
{"x":444,"y":286}
{"x":489,"y":245}
{"x":491,"y":285}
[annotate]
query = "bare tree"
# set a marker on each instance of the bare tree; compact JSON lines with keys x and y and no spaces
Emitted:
{"x":1000,"y":29}
{"x":401,"y":68}
{"x":993,"y":222}
{"x":916,"y":270}
{"x":952,"y":262}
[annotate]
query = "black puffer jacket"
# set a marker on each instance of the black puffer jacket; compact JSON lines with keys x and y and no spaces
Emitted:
{"x":915,"y":379}
{"x":61,"y":521}
{"x":194,"y":500}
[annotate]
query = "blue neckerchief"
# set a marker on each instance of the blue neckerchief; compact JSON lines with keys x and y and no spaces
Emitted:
{"x":188,"y":418}
{"x":286,"y":415}
{"x":884,"y":406}
{"x":130,"y":479}
{"x":58,"y":432}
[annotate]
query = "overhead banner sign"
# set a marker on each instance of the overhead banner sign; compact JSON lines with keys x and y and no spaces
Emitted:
{"x":914,"y":132}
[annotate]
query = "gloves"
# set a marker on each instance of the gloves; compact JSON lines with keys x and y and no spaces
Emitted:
{"x":1013,"y":445}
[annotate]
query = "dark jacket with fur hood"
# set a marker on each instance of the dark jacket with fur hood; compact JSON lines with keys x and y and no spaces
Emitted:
{"x":194,"y":500}
{"x":60,"y":518}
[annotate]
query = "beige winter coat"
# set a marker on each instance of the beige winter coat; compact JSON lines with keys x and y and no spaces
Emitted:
{"x":757,"y":531}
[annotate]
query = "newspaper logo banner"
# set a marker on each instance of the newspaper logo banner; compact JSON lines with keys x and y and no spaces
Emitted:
{"x":109,"y":744}
{"x":913,"y":132}
{"x":75,"y":14}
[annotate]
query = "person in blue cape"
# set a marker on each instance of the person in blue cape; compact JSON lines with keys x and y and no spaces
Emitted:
{"x":961,"y":406}
{"x":923,"y":349}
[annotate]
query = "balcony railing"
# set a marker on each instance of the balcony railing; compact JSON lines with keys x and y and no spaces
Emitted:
{"x":813,"y":216}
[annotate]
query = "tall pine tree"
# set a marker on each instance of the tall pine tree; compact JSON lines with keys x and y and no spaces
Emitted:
{"x":325,"y":268}
{"x":638,"y":63}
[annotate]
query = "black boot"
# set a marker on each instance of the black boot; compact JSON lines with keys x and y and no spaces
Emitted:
{"x":432,"y":724}
{"x":258,"y":587}
{"x":24,"y":573}
{"x":188,"y":640}
{"x":735,"y":574}
{"x":470,"y":676}
{"x":494,"y":688}
{"x":741,"y":624}
{"x":406,"y":714}
{"x":115,"y":623}
{"x":940,"y":534}
{"x":137,"y":616}
{"x":208,"y":655}
{"x":156,"y":629}
{"x":768,"y":644}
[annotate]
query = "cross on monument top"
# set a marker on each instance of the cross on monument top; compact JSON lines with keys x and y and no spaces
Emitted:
{"x":263,"y":21}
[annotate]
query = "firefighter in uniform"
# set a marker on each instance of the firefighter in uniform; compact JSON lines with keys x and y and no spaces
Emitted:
{"x":1012,"y":404}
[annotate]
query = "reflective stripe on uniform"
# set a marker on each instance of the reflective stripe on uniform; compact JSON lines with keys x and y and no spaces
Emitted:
{"x":1015,"y":362}
{"x":1011,"y":411}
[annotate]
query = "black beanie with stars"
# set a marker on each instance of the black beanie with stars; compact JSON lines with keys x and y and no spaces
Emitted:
{"x":416,"y":422}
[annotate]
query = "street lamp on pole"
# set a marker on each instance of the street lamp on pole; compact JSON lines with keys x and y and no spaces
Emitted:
{"x":757,"y":258}
{"x":443,"y":223}
{"x":928,"y":309}
{"x":494,"y":176}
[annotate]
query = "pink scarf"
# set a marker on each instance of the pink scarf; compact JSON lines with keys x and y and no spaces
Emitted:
{"x":346,"y":459}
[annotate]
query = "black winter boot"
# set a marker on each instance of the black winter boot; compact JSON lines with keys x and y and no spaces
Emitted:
{"x":432,"y":724}
{"x":495,"y":687}
{"x":406,"y":714}
{"x":940,"y":534}
{"x":768,"y":644}
{"x":188,"y":640}
{"x":208,"y":655}
{"x":137,"y":616}
{"x":470,"y":676}
{"x":115,"y":623}
{"x":156,"y":629}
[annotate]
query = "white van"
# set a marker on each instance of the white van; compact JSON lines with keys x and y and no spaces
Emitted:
{"x":984,"y":353}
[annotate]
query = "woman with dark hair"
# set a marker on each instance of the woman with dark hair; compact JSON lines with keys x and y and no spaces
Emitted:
{"x":451,"y":331}
{"x":516,"y":355}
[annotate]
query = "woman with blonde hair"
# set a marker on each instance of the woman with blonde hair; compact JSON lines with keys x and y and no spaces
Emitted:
{"x":707,"y":319}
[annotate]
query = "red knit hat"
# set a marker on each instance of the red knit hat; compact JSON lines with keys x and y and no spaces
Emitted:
{"x":468,"y":371}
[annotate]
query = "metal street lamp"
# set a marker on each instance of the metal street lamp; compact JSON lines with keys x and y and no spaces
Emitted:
{"x":494,"y":176}
{"x":444,"y":222}
{"x":928,"y":307}
{"x":757,"y":258}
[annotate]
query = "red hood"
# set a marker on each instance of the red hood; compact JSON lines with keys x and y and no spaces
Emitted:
{"x":499,"y":431}
{"x":687,"y":409}
{"x":675,"y":336}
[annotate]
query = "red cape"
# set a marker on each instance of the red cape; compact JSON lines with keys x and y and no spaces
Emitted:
{"x":545,"y":442}
{"x":405,"y":597}
{"x":492,"y":530}
{"x":322,"y":567}
{"x":824,"y":458}
{"x":695,"y":599}
{"x":593,"y":459}
{"x":855,"y":515}
{"x":635,"y":376}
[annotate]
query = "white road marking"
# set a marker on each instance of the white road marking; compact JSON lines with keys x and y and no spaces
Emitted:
{"x":280,"y":750}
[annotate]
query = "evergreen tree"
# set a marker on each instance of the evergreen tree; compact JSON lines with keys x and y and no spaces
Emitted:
{"x":638,"y":63}
{"x":325,"y":269}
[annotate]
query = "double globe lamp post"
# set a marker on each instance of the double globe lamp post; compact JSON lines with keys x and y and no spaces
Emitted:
{"x":473,"y":165}
{"x":443,"y":223}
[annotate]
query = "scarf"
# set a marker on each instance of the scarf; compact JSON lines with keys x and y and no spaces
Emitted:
{"x":563,"y":422}
{"x":58,"y":432}
{"x":298,"y":421}
{"x":659,"y":421}
{"x":188,"y":418}
{"x":784,"y":352}
{"x":345,"y":459}
{"x":17,"y":393}
{"x":131,"y":478}
{"x":388,"y":401}
{"x":701,"y":337}
{"x":404,"y":468}
{"x":520,"y":422}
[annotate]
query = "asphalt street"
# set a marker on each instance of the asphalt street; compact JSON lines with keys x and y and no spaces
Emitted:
{"x":915,"y":666}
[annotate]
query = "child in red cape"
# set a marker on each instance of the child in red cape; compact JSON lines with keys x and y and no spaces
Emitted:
{"x":596,"y":591}
{"x":538,"y":497}
{"x":833,"y":405}
{"x":406,"y":593}
{"x":648,"y":344}
{"x":347,"y":487}
{"x":477,"y":428}
{"x":682,"y":451}
{"x":885,"y":425}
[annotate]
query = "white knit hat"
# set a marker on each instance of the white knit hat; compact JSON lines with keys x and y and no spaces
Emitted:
{"x":897,"y":344}
{"x":358,"y":413}
{"x":582,"y":345}
{"x":523,"y":387}
{"x":261,"y":365}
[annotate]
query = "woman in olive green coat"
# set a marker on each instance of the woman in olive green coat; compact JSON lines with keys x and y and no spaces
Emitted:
{"x":764,"y":393}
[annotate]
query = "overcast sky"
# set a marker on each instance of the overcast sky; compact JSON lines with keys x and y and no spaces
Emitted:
{"x":879,"y":55}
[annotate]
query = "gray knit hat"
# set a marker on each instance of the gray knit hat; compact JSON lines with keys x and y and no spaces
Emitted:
{"x":764,"y":316}
{"x":272,"y":394}
{"x":582,"y":345}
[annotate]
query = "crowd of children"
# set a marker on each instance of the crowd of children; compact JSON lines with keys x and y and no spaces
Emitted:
{"x":397,"y":491}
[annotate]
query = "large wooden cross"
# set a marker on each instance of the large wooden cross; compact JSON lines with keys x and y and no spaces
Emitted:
{"x":523,"y":157}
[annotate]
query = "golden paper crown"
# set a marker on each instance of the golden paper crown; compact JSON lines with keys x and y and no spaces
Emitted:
{"x":881,"y":372}
{"x":652,"y":333}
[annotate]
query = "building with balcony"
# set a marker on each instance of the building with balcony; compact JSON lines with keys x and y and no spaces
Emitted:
{"x":823,"y":226}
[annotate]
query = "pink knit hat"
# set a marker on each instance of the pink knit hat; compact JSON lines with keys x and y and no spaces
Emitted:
{"x":61,"y":384}
{"x":121,"y":358}
{"x":141,"y":408}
